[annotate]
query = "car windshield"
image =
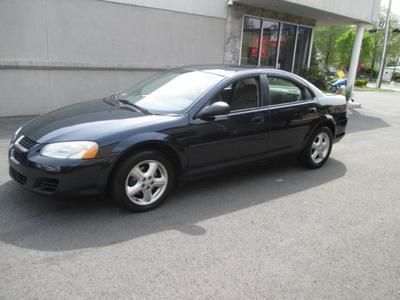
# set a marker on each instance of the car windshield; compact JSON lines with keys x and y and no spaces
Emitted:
{"x":170,"y":92}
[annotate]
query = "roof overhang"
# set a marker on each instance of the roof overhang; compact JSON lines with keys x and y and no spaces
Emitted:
{"x":323,"y":12}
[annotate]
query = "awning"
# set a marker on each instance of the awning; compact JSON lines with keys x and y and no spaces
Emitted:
{"x":324,"y":12}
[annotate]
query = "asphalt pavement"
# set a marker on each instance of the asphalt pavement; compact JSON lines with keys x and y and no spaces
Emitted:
{"x":276,"y":231}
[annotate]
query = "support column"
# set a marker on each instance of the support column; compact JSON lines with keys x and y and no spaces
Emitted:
{"x":355,"y":56}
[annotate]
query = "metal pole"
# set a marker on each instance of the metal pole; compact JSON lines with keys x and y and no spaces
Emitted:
{"x":383,"y":60}
{"x":355,"y":56}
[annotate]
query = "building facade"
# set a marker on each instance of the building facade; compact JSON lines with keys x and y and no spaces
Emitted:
{"x":57,"y":52}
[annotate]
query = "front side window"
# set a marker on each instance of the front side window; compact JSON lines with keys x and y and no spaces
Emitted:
{"x":242,"y":94}
{"x":283,"y":91}
{"x":170,"y":92}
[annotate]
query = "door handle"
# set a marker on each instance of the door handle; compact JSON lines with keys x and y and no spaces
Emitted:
{"x":257,"y":120}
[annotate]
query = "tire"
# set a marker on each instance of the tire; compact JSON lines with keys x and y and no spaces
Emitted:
{"x":142,"y":181}
{"x":318,"y":149}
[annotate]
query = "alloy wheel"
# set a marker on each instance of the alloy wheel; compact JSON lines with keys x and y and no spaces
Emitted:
{"x":146,"y":182}
{"x":320,"y":147}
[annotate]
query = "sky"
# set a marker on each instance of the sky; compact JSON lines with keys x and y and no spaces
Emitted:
{"x":395,"y":6}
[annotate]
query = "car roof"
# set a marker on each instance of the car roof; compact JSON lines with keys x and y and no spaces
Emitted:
{"x":229,"y":71}
{"x":234,"y":70}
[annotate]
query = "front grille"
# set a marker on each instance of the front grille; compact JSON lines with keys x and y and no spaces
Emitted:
{"x":48,"y":185}
{"x":17,"y":176}
{"x":27,"y":143}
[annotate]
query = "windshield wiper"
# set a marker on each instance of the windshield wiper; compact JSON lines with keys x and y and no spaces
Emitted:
{"x":127,"y":102}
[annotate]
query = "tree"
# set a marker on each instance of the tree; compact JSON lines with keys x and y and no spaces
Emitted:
{"x":344,"y":47}
{"x":376,"y":50}
{"x":325,"y":43}
{"x":393,"y":55}
{"x":377,"y":36}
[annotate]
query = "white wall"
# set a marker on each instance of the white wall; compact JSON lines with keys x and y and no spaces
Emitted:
{"x":211,"y":8}
{"x":34,"y":92}
{"x":55,"y":52}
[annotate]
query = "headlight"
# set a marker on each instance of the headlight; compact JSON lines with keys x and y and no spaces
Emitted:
{"x":14,"y":138}
{"x":71,"y":150}
{"x":15,"y":135}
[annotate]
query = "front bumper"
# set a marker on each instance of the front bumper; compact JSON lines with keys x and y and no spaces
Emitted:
{"x":58,"y":177}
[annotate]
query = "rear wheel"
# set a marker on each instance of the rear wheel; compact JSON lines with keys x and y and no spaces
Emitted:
{"x":141,"y":182}
{"x":318,"y":149}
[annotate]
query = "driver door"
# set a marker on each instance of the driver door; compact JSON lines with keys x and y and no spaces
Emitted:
{"x":238,"y":136}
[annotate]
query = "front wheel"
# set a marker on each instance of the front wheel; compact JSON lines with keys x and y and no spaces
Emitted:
{"x":318,"y":149}
{"x":141,"y":182}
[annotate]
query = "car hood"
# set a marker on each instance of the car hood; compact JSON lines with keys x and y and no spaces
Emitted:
{"x":89,"y":120}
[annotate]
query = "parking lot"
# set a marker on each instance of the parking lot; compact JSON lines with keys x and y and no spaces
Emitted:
{"x":275,"y":231}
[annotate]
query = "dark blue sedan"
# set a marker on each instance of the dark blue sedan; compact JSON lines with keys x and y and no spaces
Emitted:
{"x":173,"y":127}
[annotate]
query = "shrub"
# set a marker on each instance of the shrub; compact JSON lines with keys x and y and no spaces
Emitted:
{"x":360,"y":82}
{"x":396,"y":77}
{"x":316,"y":76}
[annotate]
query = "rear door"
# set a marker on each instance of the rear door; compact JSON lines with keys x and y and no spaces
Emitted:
{"x":293,"y":112}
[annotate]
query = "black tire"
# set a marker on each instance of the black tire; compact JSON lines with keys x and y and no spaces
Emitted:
{"x":306,"y":156}
{"x":119,"y":180}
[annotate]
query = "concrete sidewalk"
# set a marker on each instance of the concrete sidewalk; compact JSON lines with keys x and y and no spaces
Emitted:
{"x":391,"y":86}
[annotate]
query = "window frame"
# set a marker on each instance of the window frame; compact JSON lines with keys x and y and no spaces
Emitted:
{"x":261,"y":103}
{"x":259,"y":100}
{"x":242,"y":37}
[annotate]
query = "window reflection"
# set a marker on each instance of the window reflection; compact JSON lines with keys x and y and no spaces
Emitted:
{"x":302,"y":48}
{"x":251,"y":41}
{"x":287,"y":41}
{"x":277,"y":39}
{"x":269,"y":43}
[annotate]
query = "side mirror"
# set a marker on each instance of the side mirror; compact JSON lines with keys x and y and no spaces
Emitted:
{"x":215,"y":109}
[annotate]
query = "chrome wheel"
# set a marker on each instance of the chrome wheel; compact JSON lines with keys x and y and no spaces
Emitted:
{"x":320,"y":147}
{"x":146,"y":182}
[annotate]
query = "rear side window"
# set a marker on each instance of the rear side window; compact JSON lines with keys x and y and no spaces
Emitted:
{"x":242,"y":94}
{"x":282,"y":90}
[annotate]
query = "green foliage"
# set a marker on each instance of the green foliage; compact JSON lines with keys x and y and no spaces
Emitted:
{"x":325,"y":44}
{"x":316,"y":76}
{"x":396,"y":77}
{"x":361,"y":82}
{"x":393,"y":53}
{"x":334,"y":45}
{"x":344,"y":46}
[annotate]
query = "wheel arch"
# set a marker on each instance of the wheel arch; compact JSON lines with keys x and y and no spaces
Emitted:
{"x":158,"y":146}
{"x":326,"y":121}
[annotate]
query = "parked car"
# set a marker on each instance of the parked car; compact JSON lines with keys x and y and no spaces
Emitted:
{"x":337,"y":84}
{"x":173,"y":127}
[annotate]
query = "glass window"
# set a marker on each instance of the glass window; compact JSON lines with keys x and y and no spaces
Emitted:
{"x":283,"y":91}
{"x":269,"y":43}
{"x":225,"y":95}
{"x":251,"y":41}
{"x":170,"y":92}
{"x":302,"y":48}
{"x":286,"y":49}
{"x":268,"y":35}
{"x":239,"y":95}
